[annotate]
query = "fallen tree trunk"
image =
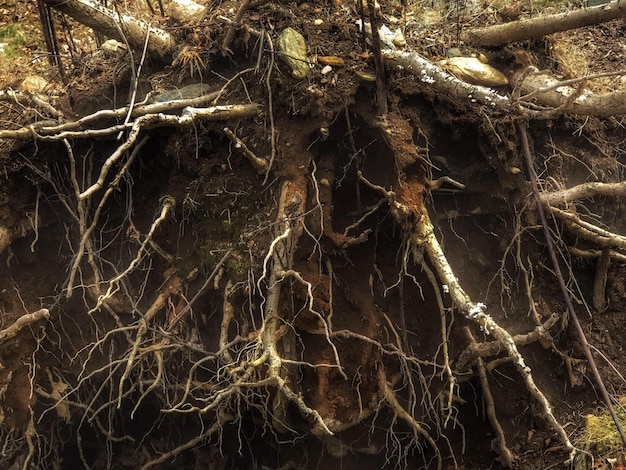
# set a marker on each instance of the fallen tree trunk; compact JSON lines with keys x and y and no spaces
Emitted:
{"x":543,"y":25}
{"x":549,"y":91}
{"x":117,"y":25}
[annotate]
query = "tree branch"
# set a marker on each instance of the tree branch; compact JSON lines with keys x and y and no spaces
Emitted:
{"x":106,"y":21}
{"x":543,"y":25}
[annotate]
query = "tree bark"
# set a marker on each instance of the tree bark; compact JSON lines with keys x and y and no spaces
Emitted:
{"x":111,"y":24}
{"x":587,"y":104}
{"x":544,"y":25}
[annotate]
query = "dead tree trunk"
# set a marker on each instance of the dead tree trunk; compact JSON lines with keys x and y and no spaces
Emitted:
{"x":543,"y":25}
{"x":117,"y":25}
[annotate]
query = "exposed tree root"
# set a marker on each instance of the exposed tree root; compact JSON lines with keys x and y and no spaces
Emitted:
{"x":23,"y":321}
{"x":499,"y":443}
{"x":492,"y":348}
{"x":215,"y":428}
{"x":424,"y":239}
{"x":390,"y":397}
{"x":149,"y":116}
{"x":107,"y":21}
{"x":259,"y":367}
{"x":557,"y":270}
{"x":583,"y":191}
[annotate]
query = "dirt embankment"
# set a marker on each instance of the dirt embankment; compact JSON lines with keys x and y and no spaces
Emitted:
{"x":263,"y":297}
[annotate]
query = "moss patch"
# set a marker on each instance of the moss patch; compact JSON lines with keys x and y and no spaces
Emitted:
{"x":11,"y":38}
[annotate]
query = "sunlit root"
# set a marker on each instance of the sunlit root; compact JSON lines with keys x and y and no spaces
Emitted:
{"x":259,"y":164}
{"x":560,"y":96}
{"x":116,"y":25}
{"x":583,"y":191}
{"x":543,"y":25}
{"x":589,"y":231}
{"x":554,"y":96}
{"x":148,"y":116}
{"x":434,"y":75}
{"x":424,"y":239}
{"x":23,"y":321}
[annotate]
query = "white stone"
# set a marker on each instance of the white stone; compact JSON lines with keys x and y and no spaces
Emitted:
{"x":186,"y":10}
{"x":34,"y":83}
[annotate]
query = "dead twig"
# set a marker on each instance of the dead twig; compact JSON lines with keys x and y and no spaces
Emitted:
{"x":230,"y":33}
{"x":259,"y":164}
{"x":501,"y":447}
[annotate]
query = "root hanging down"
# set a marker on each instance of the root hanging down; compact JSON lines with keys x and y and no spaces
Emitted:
{"x":424,"y":240}
{"x":421,"y":237}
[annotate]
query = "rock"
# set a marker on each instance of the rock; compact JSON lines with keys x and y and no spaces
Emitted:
{"x":472,"y":70}
{"x":385,"y":35}
{"x":33,"y":84}
{"x":112,"y":46}
{"x":292,"y":46}
{"x":330,"y":60}
{"x":398,"y":39}
{"x":186,"y":11}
